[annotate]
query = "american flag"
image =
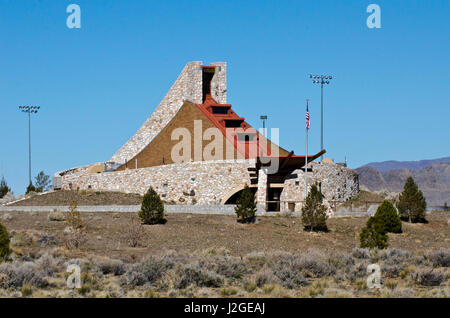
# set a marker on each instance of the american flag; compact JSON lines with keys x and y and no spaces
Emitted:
{"x":307,"y":117}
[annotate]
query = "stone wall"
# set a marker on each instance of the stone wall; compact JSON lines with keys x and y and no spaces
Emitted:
{"x":188,"y":86}
{"x":204,"y":182}
{"x":337,"y":183}
{"x":219,"y":83}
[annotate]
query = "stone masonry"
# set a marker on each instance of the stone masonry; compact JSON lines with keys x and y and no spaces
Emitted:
{"x":337,"y":183}
{"x":205,"y":181}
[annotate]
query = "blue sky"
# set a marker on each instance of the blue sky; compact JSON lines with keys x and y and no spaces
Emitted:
{"x":389,"y":98}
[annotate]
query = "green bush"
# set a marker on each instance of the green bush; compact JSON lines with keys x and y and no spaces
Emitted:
{"x":387,"y":214}
{"x":152,"y":208}
{"x":4,"y":243}
{"x":4,"y":189}
{"x":314,"y":214}
{"x":373,"y":235}
{"x":412,"y":204}
{"x":246,"y":206}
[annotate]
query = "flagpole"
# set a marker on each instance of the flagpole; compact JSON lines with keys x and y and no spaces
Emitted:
{"x":306,"y":157}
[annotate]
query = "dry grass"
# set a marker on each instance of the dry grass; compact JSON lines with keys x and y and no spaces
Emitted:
{"x":189,"y":233}
{"x":214,"y":256}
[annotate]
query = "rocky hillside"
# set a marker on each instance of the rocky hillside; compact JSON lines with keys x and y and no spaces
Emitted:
{"x":433,"y":180}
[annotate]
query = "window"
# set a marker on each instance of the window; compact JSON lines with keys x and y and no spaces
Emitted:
{"x":220,"y":110}
{"x":246,"y":137}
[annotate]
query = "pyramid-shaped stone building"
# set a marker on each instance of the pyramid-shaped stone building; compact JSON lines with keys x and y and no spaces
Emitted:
{"x":195,"y":149}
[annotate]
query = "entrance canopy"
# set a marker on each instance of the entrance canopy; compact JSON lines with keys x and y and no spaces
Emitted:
{"x":289,"y":163}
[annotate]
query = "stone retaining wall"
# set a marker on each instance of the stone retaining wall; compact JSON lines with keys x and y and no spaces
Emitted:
{"x":202,"y":182}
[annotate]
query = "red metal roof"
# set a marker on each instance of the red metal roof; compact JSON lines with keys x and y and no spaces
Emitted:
{"x":250,"y":149}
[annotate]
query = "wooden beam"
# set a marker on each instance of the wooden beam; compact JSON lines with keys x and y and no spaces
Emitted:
{"x":286,"y":160}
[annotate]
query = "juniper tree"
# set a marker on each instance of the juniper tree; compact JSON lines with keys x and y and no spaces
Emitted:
{"x":314,"y":214}
{"x":4,"y":244}
{"x":30,"y":188}
{"x":411,"y":203}
{"x":387,"y":214}
{"x":373,"y":235}
{"x":4,"y":189}
{"x":42,"y":182}
{"x":152,"y":208}
{"x":246,"y":206}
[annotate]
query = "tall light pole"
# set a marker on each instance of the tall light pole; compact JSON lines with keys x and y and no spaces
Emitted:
{"x":264,"y":118}
{"x":29,"y":110}
{"x":321,"y":79}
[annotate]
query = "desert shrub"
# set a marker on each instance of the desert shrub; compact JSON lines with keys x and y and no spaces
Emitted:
{"x":148,"y":271}
{"x":317,"y":288}
{"x":412,"y":204}
{"x":291,"y":279}
{"x":430,"y":277}
{"x":228,"y":291}
{"x":373,"y":235}
{"x":439,"y":258}
{"x":26,"y":290}
{"x":150,"y":293}
{"x":75,"y":239}
{"x":5,"y":250}
{"x":133,"y":232}
{"x":361,"y":253}
{"x":228,"y":267}
{"x":23,"y":273}
{"x":387,"y":214}
{"x":112,"y":266}
{"x":395,"y":256}
{"x":84,"y":289}
{"x":339,"y":260}
{"x":4,"y":189}
{"x":314,"y":263}
{"x":48,"y":264}
{"x":314,"y":214}
{"x":403,"y":292}
{"x":194,"y":275}
{"x":393,"y":270}
{"x":73,"y":217}
{"x":152,"y":208}
{"x":249,"y":286}
{"x":265,"y":276}
{"x":246,"y":206}
{"x":30,"y":188}
{"x":310,"y":264}
{"x":395,"y":262}
{"x":56,"y":216}
{"x":353,"y":273}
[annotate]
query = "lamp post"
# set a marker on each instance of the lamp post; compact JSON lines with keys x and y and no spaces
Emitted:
{"x":264,"y":118}
{"x":321,"y":79}
{"x":29,"y":110}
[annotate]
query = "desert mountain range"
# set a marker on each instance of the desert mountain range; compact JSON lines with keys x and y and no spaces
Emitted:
{"x":432,"y":177}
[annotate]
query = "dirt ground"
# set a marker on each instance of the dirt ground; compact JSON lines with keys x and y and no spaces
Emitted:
{"x":185,"y":233}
